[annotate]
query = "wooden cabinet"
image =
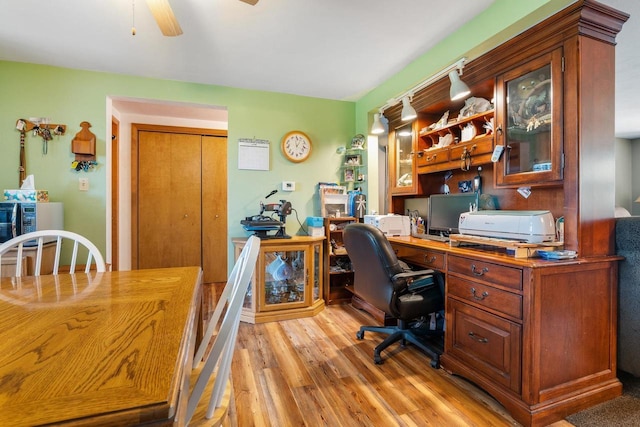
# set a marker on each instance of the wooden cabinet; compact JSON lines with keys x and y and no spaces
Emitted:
{"x":403,"y":149}
{"x":529,"y":122}
{"x":520,"y":332}
{"x":539,"y":336}
{"x":286,"y":283}
{"x":338,"y":275}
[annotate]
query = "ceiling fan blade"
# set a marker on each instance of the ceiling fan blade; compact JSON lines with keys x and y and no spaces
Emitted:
{"x":164,"y":16}
{"x":251,"y":2}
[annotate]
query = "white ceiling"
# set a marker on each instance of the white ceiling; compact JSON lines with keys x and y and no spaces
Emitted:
{"x":334,"y":49}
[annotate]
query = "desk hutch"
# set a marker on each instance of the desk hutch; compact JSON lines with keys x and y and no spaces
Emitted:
{"x":540,"y":336}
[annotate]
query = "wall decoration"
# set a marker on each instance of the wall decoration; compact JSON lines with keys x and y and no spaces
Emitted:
{"x":83,"y":145}
{"x":40,"y":127}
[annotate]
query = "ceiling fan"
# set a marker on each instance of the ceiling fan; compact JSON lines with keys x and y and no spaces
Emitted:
{"x":162,"y":13}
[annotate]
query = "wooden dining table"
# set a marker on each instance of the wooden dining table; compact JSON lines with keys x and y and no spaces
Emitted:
{"x":111,"y":348}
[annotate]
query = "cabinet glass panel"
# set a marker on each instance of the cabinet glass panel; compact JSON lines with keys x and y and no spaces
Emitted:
{"x":284,"y":277}
{"x":316,"y":272}
{"x":404,"y":157}
{"x":248,"y":298}
{"x":528,"y":131}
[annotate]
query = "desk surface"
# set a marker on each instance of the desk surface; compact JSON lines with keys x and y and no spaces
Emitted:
{"x":102,"y":348}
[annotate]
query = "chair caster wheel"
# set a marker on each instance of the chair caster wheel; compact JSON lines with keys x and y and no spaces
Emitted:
{"x":435,"y":364}
{"x":360,"y":335}
{"x":377,"y":360}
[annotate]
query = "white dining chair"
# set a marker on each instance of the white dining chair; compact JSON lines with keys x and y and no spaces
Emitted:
{"x":40,"y":245}
{"x":216,"y":348}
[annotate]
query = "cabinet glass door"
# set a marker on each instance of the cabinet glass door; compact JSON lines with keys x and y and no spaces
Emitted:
{"x":285,"y":278}
{"x":403,"y":172}
{"x":530,"y":123}
{"x":317,"y":277}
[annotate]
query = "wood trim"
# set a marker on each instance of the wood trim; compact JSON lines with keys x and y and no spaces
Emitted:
{"x":115,"y":192}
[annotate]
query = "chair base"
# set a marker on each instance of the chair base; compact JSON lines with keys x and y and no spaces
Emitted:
{"x":402,"y":333}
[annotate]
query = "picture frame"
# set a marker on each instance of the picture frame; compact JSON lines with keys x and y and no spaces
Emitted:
{"x":352,"y":160}
{"x":349,"y":175}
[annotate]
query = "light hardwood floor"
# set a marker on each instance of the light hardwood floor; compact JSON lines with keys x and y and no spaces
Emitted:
{"x":314,"y":372}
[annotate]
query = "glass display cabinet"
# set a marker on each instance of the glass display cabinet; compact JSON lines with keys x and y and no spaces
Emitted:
{"x":287,"y":282}
{"x":530,"y":122}
{"x":402,"y":159}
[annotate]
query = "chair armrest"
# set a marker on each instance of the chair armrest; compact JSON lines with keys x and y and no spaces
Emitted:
{"x":409,"y":274}
{"x":411,"y":280}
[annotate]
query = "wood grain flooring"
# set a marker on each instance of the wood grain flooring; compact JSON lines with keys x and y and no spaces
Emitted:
{"x":314,"y":372}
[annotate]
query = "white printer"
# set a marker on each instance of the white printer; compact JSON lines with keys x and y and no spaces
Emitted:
{"x":525,"y":226}
{"x":390,"y":225}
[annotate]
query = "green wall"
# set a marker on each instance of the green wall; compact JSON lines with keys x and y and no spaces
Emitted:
{"x":72,"y":96}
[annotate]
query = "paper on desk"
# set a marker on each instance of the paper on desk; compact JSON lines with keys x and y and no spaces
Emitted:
{"x":28,"y":183}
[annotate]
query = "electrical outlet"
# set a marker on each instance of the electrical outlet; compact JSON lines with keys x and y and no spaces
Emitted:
{"x":83,"y":184}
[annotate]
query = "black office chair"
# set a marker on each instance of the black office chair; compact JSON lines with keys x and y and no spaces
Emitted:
{"x":381,"y":281}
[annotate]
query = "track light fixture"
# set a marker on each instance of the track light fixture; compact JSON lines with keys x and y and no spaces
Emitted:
{"x":458,"y":90}
{"x":408,"y":112}
{"x":378,"y":127}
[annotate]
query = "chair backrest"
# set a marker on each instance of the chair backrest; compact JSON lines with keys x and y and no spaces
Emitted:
{"x":374,"y":263}
{"x":45,"y":247}
{"x":223,"y":343}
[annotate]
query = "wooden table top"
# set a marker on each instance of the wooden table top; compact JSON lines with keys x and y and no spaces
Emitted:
{"x":97,"y":349}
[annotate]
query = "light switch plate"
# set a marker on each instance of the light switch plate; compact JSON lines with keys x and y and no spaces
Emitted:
{"x":288,"y":186}
{"x":83,"y":184}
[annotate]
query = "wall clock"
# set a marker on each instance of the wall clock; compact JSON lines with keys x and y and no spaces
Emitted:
{"x":296,"y":146}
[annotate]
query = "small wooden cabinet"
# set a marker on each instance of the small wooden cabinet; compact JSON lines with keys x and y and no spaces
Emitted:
{"x":472,"y":144}
{"x":403,"y":149}
{"x":338,"y":275}
{"x":286,"y":283}
{"x":529,"y":122}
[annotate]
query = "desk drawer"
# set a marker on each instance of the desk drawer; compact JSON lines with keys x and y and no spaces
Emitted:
{"x":499,"y":300}
{"x":493,"y":274}
{"x":422,"y":257}
{"x":485,"y":342}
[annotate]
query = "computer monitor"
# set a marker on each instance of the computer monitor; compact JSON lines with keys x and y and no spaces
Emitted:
{"x":445,"y":210}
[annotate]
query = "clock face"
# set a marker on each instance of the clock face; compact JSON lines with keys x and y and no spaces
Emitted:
{"x":296,"y":146}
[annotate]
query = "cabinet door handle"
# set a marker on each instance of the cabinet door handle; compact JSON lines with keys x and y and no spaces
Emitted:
{"x":478,"y":272}
{"x":478,"y":338}
{"x":479,"y":297}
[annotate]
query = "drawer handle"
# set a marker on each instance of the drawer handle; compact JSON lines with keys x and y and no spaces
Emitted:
{"x":479,"y":297}
{"x":480,"y":272}
{"x":478,"y":338}
{"x":430,"y":260}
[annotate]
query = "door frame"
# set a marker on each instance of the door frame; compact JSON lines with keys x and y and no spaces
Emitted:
{"x":115,"y":193}
{"x":135,"y":128}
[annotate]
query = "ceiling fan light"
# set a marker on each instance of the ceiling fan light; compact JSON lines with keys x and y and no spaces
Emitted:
{"x":377,"y":128}
{"x":162,"y":13}
{"x":459,"y":89}
{"x":408,"y":112}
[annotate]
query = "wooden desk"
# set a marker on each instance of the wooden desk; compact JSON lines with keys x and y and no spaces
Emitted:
{"x":539,"y":336}
{"x":100,"y":349}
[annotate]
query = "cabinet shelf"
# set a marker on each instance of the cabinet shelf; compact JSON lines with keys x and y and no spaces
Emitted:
{"x":455,"y":128}
{"x":338,"y":276}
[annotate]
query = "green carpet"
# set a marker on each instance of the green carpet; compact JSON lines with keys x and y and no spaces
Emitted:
{"x":622,"y":411}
